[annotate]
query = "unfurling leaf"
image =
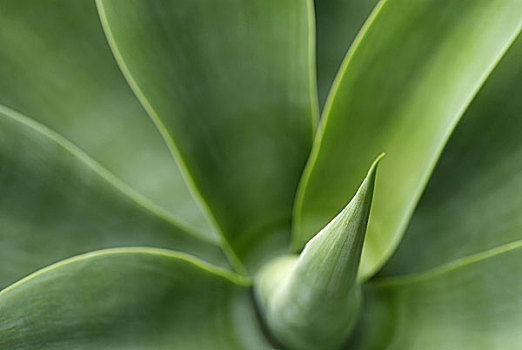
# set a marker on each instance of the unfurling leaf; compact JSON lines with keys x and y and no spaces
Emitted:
{"x":145,"y":143}
{"x":402,"y":88}
{"x":312,"y":301}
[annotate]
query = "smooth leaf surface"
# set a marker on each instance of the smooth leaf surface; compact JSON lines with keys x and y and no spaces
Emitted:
{"x":230,"y":86}
{"x":56,"y":202}
{"x":129,"y":299}
{"x":473,"y":304}
{"x":338,"y":22}
{"x":401,"y":90}
{"x":57,"y":68}
{"x":473,"y":201}
{"x":313,"y":300}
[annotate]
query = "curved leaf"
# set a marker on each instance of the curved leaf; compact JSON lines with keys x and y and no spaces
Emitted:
{"x":473,"y":304}
{"x":56,"y":202}
{"x":129,"y":299}
{"x":229,"y":85}
{"x":57,"y":68}
{"x":401,"y":90}
{"x":473,"y":201}
{"x":338,"y":22}
{"x":312,"y":300}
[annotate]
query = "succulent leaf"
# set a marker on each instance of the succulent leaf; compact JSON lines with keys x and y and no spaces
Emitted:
{"x":129,"y":299}
{"x":148,"y":146}
{"x":57,"y":68}
{"x":338,"y":22}
{"x":471,"y":304}
{"x":230,"y":87}
{"x":56,"y":202}
{"x":402,"y":87}
{"x":473,"y":201}
{"x":313,"y":300}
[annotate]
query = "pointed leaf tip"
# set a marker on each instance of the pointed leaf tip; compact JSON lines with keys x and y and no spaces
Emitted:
{"x":312,"y":300}
{"x":339,"y":244}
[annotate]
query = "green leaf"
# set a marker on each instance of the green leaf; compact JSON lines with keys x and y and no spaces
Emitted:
{"x":129,"y":299}
{"x":57,"y":68}
{"x":312,"y":301}
{"x":56,"y":202}
{"x":402,"y":88}
{"x":473,"y":201}
{"x":473,"y":304}
{"x":338,"y":22}
{"x":230,"y":86}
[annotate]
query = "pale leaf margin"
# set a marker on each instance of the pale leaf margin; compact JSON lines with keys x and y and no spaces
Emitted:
{"x":316,"y":147}
{"x":105,"y":174}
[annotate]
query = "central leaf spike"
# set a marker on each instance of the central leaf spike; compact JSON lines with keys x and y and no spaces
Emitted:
{"x":312,"y":300}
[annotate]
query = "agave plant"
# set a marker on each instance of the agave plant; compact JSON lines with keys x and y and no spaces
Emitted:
{"x":165,"y":181}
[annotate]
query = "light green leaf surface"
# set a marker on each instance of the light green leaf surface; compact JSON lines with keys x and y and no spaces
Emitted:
{"x":473,"y":201}
{"x":57,"y":68}
{"x":230,"y":85}
{"x":401,"y":90}
{"x":56,"y":202}
{"x":129,"y":299}
{"x":313,"y":300}
{"x":473,"y":304}
{"x":338,"y":22}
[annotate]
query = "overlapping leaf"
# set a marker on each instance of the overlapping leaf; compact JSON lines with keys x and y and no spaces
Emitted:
{"x":474,"y":199}
{"x":56,"y":202}
{"x":129,"y":299}
{"x":312,"y":300}
{"x":401,"y":90}
{"x":56,"y":67}
{"x":229,"y":85}
{"x":473,"y":304}
{"x":338,"y":22}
